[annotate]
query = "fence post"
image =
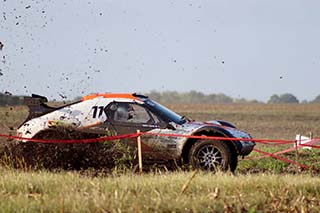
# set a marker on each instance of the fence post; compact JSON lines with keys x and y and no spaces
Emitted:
{"x":311,"y":135}
{"x":298,"y":144}
{"x":139,"y":151}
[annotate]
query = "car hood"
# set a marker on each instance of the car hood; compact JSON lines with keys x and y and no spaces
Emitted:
{"x":194,"y":126}
{"x":191,"y":127}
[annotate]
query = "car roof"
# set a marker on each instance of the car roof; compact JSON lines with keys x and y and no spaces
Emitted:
{"x":133,"y":96}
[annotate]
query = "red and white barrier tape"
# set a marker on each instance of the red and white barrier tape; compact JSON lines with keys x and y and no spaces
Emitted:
{"x":134,"y":135}
{"x":282,"y":159}
{"x":264,"y":141}
{"x":91,"y":140}
{"x":308,"y":144}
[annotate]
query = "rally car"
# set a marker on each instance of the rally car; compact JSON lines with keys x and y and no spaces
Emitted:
{"x":100,"y":115}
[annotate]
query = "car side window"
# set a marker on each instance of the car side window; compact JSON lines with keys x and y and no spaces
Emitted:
{"x":130,"y":113}
{"x":138,"y":114}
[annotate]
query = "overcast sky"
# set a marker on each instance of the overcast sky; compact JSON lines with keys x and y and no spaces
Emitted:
{"x":245,"y":49}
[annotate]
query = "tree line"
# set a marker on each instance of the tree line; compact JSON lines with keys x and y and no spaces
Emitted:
{"x":194,"y":97}
{"x":10,"y":100}
{"x":199,"y":97}
{"x":186,"y":97}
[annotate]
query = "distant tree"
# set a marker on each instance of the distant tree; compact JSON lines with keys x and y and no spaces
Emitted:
{"x":274,"y":99}
{"x":154,"y":95}
{"x":288,"y":98}
{"x":188,"y":97}
{"x":10,"y":100}
{"x":222,"y":98}
{"x":171,"y":97}
{"x":284,"y":98}
{"x":219,"y":98}
{"x":316,"y":100}
{"x":193,"y":97}
{"x":245,"y":101}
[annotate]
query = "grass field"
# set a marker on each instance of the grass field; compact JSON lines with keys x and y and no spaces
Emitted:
{"x":259,"y":185}
{"x":72,"y":192}
{"x":279,"y":121}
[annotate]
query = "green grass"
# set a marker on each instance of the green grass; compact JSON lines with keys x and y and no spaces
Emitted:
{"x":71,"y":192}
{"x":253,"y":163}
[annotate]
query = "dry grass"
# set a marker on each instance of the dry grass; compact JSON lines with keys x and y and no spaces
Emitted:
{"x":71,"y":192}
{"x":44,"y":191}
{"x":11,"y":118}
{"x":278,"y":121}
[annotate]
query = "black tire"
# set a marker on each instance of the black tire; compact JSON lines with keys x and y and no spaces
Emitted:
{"x":210,"y":155}
{"x":234,"y":162}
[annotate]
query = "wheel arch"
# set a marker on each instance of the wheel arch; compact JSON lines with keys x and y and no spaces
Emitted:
{"x":217,"y":132}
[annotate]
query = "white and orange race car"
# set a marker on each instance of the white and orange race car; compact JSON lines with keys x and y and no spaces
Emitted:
{"x":100,"y":115}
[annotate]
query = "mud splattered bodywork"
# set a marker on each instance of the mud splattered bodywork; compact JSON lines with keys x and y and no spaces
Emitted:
{"x":116,"y":114}
{"x":174,"y":145}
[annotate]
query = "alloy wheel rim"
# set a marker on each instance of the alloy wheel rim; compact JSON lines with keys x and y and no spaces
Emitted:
{"x":209,"y":157}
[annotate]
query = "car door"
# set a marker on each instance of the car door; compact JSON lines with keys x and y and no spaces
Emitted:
{"x":127,"y":118}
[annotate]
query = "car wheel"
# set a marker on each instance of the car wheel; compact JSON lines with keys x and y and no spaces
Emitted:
{"x":210,"y":155}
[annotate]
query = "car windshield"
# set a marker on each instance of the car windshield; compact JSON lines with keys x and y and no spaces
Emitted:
{"x":163,"y":111}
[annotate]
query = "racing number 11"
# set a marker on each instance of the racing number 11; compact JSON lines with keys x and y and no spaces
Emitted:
{"x":95,"y":110}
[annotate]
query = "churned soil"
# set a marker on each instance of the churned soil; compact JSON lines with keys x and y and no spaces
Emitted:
{"x":59,"y":156}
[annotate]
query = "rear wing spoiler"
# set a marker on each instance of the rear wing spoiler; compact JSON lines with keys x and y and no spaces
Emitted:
{"x":37,"y":106}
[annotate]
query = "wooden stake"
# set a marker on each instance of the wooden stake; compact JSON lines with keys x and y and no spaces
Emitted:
{"x":298,"y":144}
{"x":139,"y":151}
